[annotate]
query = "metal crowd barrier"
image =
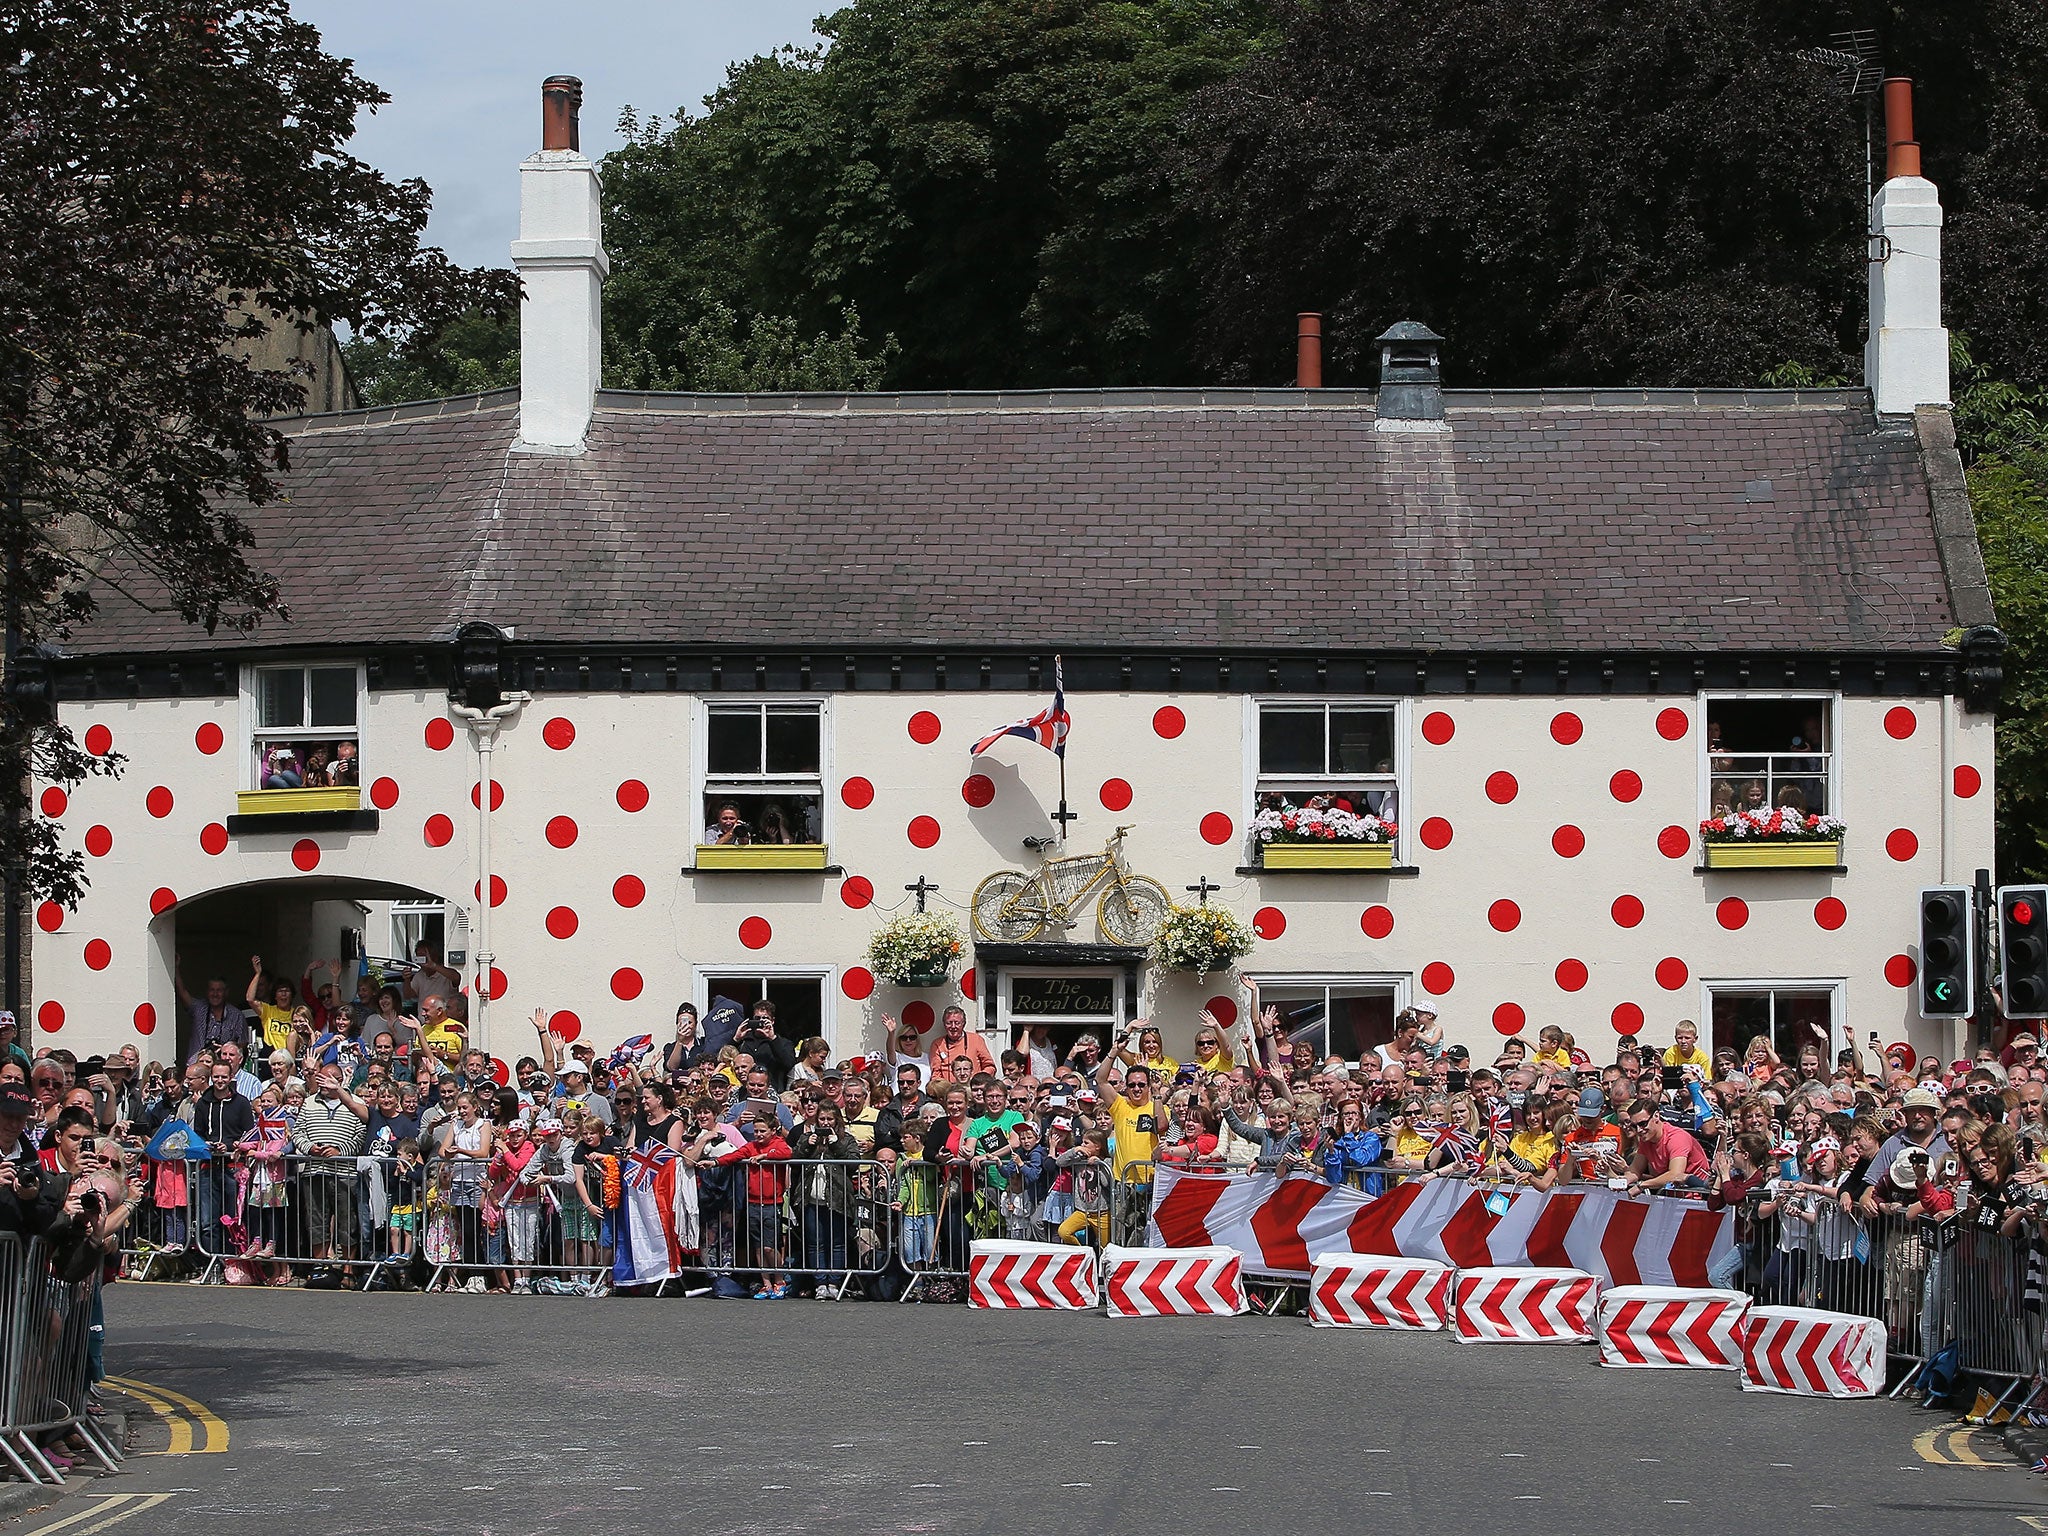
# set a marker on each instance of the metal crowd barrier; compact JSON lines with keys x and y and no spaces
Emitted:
{"x":45,"y":1370}
{"x":822,"y":1223}
{"x":469,"y":1231}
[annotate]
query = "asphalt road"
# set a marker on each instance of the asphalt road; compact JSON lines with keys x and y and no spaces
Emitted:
{"x":556,"y":1414}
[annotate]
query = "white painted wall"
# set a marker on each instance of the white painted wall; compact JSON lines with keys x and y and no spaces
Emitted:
{"x":1497,"y":851}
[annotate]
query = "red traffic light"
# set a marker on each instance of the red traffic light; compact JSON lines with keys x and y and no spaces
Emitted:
{"x":2023,"y":913}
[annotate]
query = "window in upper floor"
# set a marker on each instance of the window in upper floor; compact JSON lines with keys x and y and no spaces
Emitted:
{"x":764,"y":774}
{"x":304,"y":727}
{"x":1326,"y":757}
{"x":1764,"y":753}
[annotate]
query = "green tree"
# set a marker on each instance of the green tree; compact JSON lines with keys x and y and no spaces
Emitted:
{"x":174,"y":182}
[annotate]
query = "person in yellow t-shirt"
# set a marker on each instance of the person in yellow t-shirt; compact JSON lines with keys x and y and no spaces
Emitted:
{"x":1152,"y":1053}
{"x":1211,"y":1054}
{"x":1136,"y":1119}
{"x":1686,"y":1052}
{"x":1534,"y":1143}
{"x":1553,"y":1048}
{"x":274,"y":1016}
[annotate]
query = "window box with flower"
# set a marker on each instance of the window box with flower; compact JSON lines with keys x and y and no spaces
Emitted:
{"x":1772,"y":839}
{"x":916,"y":950}
{"x":1322,"y":837}
{"x":1201,"y":939}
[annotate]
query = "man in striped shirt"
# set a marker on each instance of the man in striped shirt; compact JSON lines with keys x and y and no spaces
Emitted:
{"x":331,"y":1124}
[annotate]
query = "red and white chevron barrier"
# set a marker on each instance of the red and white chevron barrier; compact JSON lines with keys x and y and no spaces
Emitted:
{"x":1663,"y":1327}
{"x":1350,"y":1290}
{"x":1811,"y":1353}
{"x":1277,"y":1223}
{"x":1524,"y":1306}
{"x":1172,"y":1282}
{"x":1015,"y":1277}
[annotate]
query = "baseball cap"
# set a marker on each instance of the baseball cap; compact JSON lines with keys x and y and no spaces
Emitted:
{"x":574,"y":1066}
{"x":1428,"y":1008}
{"x":1592,"y":1101}
{"x":14,"y":1102}
{"x":1456,"y":1053}
{"x":1920,"y":1098}
{"x":6,"y":1018}
{"x":1823,"y":1144}
{"x":546,"y":1124}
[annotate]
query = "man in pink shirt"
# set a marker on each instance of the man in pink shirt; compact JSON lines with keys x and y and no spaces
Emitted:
{"x":1665,"y":1156}
{"x":954,"y":1040}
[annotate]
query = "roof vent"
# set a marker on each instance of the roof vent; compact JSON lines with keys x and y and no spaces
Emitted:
{"x":1411,"y":373}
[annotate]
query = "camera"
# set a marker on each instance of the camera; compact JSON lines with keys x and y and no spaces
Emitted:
{"x":1672,"y":1078}
{"x":1457,"y":1082}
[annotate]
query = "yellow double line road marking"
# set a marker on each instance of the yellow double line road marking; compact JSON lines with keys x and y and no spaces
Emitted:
{"x":1948,"y":1445}
{"x":181,"y":1413}
{"x":111,"y":1510}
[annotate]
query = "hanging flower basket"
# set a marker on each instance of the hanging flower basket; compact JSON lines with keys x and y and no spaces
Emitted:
{"x":1201,"y":939}
{"x":916,"y":950}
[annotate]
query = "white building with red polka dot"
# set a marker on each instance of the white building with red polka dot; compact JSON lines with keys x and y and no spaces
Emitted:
{"x":1544,"y":635}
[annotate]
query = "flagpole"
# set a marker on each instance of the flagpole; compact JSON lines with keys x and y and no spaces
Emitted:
{"x":1063,"y":818}
{"x":1059,"y":673}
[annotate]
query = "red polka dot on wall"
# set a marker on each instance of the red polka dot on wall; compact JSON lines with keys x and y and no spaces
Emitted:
{"x":561,"y":922}
{"x":1830,"y":913}
{"x":161,"y":900}
{"x":626,"y":983}
{"x":1377,"y":922}
{"x":500,"y":1073}
{"x":54,"y":802}
{"x":857,"y":891}
{"x":1627,"y":911}
{"x":918,"y":1015}
{"x":50,"y":1016}
{"x":1223,"y":1010}
{"x":1217,"y":829}
{"x":1501,"y":787}
{"x":50,"y":917}
{"x":440,"y":734}
{"x":1900,"y":970}
{"x":1732,"y":912}
{"x":99,"y":741}
{"x":968,"y":984}
{"x":384,"y":793}
{"x":632,"y":796}
{"x":500,"y":985}
{"x":857,"y":982}
{"x":99,"y":954}
{"x":629,"y":890}
{"x":159,"y":802}
{"x":1672,"y":973}
{"x":1438,"y":978}
{"x":306,"y":855}
{"x":924,"y":727}
{"x":1567,"y":842}
{"x":1115,"y":795}
{"x":1673,"y":724}
{"x":99,"y":841}
{"x":209,"y":738}
{"x":1627,"y":1019}
{"x":1435,"y":833}
{"x":1572,"y":975}
{"x":1968,"y":782}
{"x":1902,"y":844}
{"x":978,"y":790}
{"x":565,"y":1023}
{"x":213,"y":837}
{"x":1508,"y":1018}
{"x":856,"y":794}
{"x":1900,"y":722}
{"x":1168,"y":722}
{"x":439,"y":831}
{"x":145,"y":1018}
{"x":561,"y":831}
{"x":923,"y":831}
{"x":755,"y":932}
{"x":1674,"y":842}
{"x":476,"y":794}
{"x":1504,"y":916}
{"x":1626,"y":786}
{"x":1269,"y":922}
{"x":1566,"y":728}
{"x":1438,"y":728}
{"x":476,"y":889}
{"x":559,"y":733}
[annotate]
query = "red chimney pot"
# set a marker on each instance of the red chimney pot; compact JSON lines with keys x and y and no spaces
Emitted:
{"x":1308,"y":351}
{"x":561,"y":101}
{"x":1901,"y":149}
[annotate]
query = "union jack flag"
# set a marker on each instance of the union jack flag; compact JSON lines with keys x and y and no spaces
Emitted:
{"x":1048,"y":727}
{"x":1500,"y":1123}
{"x":271,"y":1127}
{"x":1445,"y":1133}
{"x":629,"y":1052}
{"x":644,"y":1166}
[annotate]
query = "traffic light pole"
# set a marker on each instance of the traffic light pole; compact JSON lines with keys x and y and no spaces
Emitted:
{"x":1986,"y":1011}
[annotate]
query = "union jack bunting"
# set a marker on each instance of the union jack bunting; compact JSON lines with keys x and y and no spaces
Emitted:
{"x":1048,"y":727}
{"x":644,"y":1166}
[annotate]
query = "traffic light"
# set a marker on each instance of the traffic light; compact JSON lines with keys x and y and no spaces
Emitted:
{"x":1948,"y":952}
{"x":2023,"y":949}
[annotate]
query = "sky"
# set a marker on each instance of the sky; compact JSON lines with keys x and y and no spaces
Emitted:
{"x":464,"y":80}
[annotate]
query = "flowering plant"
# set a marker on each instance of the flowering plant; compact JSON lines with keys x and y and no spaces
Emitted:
{"x":917,"y":943}
{"x":1201,"y":939}
{"x":1762,"y":825}
{"x":1319,"y":824}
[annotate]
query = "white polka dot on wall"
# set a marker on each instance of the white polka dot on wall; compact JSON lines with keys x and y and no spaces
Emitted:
{"x":1900,"y":722}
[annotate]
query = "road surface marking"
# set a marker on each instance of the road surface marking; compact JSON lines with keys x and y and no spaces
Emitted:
{"x":112,"y":1509}
{"x":1948,"y":1445}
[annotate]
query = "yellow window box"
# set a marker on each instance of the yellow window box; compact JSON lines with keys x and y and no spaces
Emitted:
{"x":283,"y":802}
{"x":761,"y":856}
{"x":1773,"y":855}
{"x":1327,"y":856}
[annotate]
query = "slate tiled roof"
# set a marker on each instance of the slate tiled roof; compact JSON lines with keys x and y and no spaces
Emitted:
{"x":1235,"y":520}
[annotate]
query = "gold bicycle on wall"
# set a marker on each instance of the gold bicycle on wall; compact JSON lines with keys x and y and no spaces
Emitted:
{"x":1013,"y":907}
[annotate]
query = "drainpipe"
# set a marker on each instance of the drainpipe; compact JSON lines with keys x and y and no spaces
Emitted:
{"x":484,"y":725}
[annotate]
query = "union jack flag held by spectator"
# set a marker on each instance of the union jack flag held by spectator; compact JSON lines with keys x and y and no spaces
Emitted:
{"x":644,"y":1166}
{"x":629,"y":1052}
{"x":1048,"y":727}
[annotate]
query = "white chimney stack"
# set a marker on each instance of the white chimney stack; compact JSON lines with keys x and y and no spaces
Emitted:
{"x":1905,"y":359}
{"x":562,"y":265}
